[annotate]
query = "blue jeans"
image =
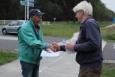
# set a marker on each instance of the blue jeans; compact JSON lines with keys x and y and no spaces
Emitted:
{"x":29,"y":70}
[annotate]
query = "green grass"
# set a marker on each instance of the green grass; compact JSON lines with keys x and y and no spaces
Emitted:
{"x":7,"y":56}
{"x":108,"y":34}
{"x":108,"y":70}
{"x":66,"y":29}
{"x":105,"y":23}
{"x":60,"y":29}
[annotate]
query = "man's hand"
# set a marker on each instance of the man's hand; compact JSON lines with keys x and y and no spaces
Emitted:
{"x":52,"y":47}
{"x":56,"y":46}
{"x":70,"y":46}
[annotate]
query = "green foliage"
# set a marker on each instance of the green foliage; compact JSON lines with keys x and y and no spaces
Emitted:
{"x":100,"y":11}
{"x":51,"y":10}
{"x":11,"y":9}
{"x":59,"y":9}
{"x":66,"y":13}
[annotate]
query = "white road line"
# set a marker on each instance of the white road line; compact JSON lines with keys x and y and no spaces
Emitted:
{"x":114,"y":46}
{"x":103,"y":44}
{"x":109,"y":61}
{"x":8,"y":38}
{"x":15,"y":49}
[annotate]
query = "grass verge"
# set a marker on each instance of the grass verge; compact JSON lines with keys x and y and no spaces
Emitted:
{"x":7,"y":56}
{"x":66,"y":30}
{"x":60,"y":29}
{"x":105,"y":23}
{"x":108,"y":70}
{"x":109,"y":33}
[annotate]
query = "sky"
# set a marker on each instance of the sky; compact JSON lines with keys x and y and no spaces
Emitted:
{"x":110,"y":4}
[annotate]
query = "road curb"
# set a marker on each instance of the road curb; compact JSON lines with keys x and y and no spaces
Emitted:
{"x":109,"y":61}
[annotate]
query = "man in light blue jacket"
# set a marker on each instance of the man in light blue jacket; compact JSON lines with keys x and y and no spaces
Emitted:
{"x":31,"y":44}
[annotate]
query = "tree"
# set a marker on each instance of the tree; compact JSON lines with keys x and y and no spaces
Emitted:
{"x":59,"y":9}
{"x":11,"y":9}
{"x":66,"y":13}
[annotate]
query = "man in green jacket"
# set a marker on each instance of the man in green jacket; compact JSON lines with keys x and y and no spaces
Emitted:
{"x":31,"y":44}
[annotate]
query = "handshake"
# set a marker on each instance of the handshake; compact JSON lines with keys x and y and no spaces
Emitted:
{"x":69,"y":44}
{"x":56,"y":47}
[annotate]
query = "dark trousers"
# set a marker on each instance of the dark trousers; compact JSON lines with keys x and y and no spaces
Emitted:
{"x":29,"y":70}
{"x":90,"y":71}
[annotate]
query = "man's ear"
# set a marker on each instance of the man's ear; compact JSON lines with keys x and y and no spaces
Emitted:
{"x":82,"y":12}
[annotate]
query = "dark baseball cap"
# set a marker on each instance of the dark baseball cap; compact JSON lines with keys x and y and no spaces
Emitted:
{"x":36,"y":12}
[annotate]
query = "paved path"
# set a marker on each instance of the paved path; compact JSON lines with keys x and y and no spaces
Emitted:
{"x":62,"y":66}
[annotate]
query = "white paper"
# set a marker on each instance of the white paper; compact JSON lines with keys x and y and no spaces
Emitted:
{"x":50,"y":53}
{"x":71,"y":40}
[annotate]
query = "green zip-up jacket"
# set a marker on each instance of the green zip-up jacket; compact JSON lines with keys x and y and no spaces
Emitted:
{"x":31,"y":43}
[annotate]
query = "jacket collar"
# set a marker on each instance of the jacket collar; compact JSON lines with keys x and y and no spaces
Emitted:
{"x":89,"y":17}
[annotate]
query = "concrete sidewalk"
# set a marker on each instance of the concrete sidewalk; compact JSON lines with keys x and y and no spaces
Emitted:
{"x":10,"y":70}
{"x":62,"y":66}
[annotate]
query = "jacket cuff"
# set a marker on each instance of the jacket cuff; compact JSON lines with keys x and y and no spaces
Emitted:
{"x":62,"y":48}
{"x":45,"y":46}
{"x":76,"y":47}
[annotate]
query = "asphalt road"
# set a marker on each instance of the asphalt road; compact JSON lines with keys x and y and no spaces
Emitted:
{"x":109,"y":51}
{"x":9,"y":41}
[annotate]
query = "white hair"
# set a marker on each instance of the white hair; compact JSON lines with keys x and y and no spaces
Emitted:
{"x":85,"y":6}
